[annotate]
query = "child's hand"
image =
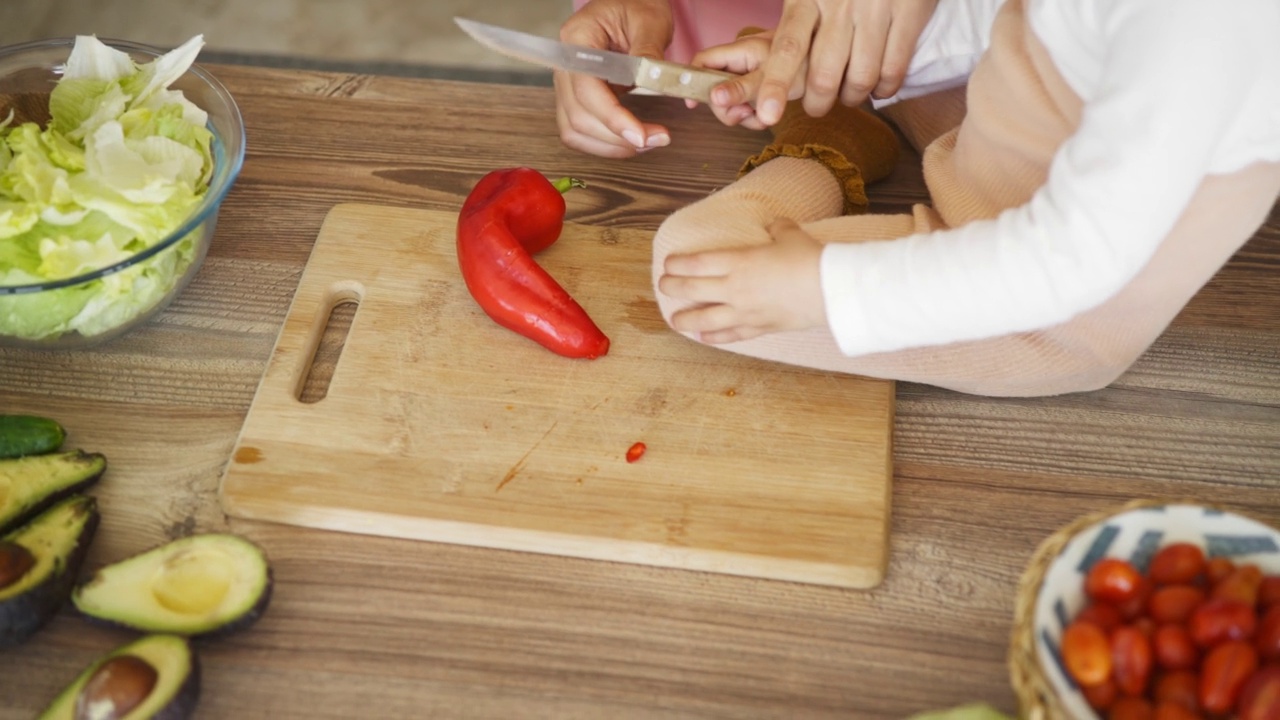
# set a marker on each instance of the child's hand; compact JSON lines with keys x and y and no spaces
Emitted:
{"x":731,"y":100}
{"x":748,"y":292}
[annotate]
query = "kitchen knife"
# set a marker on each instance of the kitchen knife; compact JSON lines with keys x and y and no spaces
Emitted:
{"x":660,"y":76}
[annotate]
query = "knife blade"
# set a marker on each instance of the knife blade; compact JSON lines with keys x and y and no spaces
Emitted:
{"x":660,"y":76}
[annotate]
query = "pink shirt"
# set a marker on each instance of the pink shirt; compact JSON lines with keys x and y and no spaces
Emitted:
{"x":704,"y":23}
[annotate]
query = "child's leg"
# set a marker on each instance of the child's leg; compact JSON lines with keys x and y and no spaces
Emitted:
{"x":1085,"y":353}
{"x":924,"y":119}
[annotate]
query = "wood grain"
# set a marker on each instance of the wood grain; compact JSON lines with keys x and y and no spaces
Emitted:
{"x":367,"y":627}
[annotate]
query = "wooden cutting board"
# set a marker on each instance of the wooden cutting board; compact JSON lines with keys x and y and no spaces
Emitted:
{"x":440,"y":425}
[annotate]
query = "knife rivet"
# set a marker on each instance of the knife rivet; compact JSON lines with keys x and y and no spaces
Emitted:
{"x":655,"y":72}
{"x":686,"y":78}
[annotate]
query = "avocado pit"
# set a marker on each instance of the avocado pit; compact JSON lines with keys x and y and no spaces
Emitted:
{"x":117,"y":687}
{"x":15,"y":561}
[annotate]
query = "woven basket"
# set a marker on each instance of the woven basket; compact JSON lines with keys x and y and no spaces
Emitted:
{"x":1036,"y":697}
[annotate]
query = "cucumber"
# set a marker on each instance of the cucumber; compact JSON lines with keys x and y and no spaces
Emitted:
{"x":22,"y":435}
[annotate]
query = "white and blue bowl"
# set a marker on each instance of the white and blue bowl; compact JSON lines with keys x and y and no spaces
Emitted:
{"x":1052,"y":589}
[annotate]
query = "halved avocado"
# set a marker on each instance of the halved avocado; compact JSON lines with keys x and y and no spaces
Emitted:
{"x":199,"y":585}
{"x":30,"y":484}
{"x":39,"y":563}
{"x":156,"y":677}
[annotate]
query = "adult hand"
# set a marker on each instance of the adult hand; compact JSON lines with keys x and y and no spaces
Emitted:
{"x":587,"y":109}
{"x":853,"y":48}
{"x":748,"y":292}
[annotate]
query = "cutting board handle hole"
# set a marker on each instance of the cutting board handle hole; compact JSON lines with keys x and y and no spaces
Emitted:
{"x":315,"y":383}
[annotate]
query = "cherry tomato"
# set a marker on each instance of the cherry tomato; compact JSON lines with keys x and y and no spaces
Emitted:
{"x":1267,"y":641}
{"x":1219,"y":620}
{"x":1242,"y":584}
{"x":1086,"y":652}
{"x":1112,"y":580}
{"x":1131,"y":708}
{"x":1217,"y":568}
{"x":1174,"y":711}
{"x":1101,"y":696}
{"x":1136,"y":606}
{"x":1260,"y":696}
{"x":1103,"y":615}
{"x":1173,"y":648}
{"x":1176,"y":563}
{"x":1269,"y":591}
{"x":1180,"y":686}
{"x":1130,"y":659}
{"x":1174,"y":603}
{"x":1226,"y":669}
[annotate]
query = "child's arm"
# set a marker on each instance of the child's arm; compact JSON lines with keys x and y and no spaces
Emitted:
{"x":1172,"y":87}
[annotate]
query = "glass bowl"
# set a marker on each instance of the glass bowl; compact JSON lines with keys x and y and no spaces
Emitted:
{"x":154,"y":275}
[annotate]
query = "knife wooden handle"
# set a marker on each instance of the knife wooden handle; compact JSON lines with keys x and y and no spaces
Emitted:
{"x":668,"y":78}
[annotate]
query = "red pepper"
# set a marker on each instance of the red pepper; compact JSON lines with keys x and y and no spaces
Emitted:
{"x":509,"y":215}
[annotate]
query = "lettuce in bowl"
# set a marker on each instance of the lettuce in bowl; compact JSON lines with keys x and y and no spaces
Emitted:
{"x":108,"y":203}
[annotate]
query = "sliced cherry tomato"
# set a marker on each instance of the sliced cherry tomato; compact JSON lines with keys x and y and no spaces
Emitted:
{"x":1260,"y":696}
{"x":1173,"y":648}
{"x":1174,"y":603}
{"x":1131,"y":659}
{"x":1219,"y":620}
{"x":1180,"y":686}
{"x":1227,"y":668}
{"x":1112,"y":580}
{"x":1086,"y":652}
{"x":1176,"y":563}
{"x":1131,"y":708}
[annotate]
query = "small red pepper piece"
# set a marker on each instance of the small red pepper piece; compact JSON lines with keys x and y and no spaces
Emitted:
{"x":635,"y":452}
{"x":510,"y":215}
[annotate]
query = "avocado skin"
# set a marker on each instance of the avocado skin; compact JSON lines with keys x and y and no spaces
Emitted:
{"x":60,"y":494}
{"x":180,"y":706}
{"x":22,"y":615}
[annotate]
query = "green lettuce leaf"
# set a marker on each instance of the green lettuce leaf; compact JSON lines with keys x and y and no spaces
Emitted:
{"x":123,"y":163}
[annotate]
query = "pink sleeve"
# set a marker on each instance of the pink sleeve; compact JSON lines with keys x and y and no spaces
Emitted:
{"x":704,"y":23}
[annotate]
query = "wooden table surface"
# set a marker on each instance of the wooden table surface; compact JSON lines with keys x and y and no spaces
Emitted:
{"x":365,"y":627}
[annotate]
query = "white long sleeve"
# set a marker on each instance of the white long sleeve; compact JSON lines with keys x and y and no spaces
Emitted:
{"x":1174,"y":90}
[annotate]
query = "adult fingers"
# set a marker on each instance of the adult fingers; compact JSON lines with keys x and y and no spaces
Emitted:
{"x":788,"y":53}
{"x":870,"y":33}
{"x":828,"y":62}
{"x":592,"y":120}
{"x":904,"y":33}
